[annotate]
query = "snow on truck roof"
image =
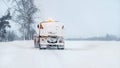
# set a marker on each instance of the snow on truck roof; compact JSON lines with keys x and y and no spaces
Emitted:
{"x":48,"y":21}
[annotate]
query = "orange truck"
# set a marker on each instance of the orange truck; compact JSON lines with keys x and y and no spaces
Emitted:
{"x":51,"y":35}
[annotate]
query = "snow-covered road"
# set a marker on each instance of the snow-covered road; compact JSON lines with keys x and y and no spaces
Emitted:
{"x":77,"y":54}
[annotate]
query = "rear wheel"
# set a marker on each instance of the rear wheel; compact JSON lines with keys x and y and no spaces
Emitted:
{"x":41,"y":47}
{"x":60,"y":47}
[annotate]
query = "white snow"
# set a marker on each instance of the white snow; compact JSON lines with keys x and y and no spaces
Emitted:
{"x":77,"y":54}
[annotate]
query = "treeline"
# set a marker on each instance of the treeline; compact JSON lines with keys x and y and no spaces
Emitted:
{"x":107,"y":37}
{"x":22,"y":12}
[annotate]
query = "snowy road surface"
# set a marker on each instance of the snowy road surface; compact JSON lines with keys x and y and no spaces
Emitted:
{"x":77,"y":54}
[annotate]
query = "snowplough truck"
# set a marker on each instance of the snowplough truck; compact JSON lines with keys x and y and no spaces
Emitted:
{"x":50,"y":35}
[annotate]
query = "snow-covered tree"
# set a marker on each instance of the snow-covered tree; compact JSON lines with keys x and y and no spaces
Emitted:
{"x":24,"y":15}
{"x":3,"y":24}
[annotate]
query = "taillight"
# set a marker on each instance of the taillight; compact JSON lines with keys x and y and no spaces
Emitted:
{"x":62,"y":27}
{"x":41,"y":26}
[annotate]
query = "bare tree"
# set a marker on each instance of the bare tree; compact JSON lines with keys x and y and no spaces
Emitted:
{"x":24,"y":15}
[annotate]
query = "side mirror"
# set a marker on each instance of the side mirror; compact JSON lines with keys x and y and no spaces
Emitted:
{"x":37,"y":26}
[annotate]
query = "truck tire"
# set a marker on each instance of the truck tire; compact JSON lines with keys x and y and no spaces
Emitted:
{"x":60,"y":48}
{"x":41,"y":47}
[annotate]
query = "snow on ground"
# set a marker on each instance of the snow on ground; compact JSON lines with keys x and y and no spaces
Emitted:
{"x":77,"y":54}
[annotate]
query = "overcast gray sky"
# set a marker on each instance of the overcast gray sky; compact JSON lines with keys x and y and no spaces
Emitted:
{"x":82,"y":18}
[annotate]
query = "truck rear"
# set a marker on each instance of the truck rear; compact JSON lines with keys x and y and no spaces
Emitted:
{"x":51,"y":35}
